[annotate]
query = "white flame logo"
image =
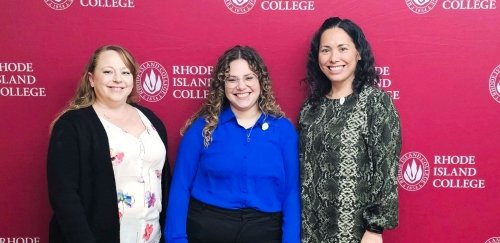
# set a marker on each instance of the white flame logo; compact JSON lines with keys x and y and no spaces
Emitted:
{"x":493,"y":240}
{"x":152,"y":84}
{"x":421,"y":2}
{"x":239,"y":2}
{"x":413,"y":173}
{"x":498,"y":87}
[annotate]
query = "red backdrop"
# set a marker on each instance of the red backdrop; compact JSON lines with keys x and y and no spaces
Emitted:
{"x":439,"y":58}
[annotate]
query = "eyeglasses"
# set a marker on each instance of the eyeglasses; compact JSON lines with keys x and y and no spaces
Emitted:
{"x":249,"y":80}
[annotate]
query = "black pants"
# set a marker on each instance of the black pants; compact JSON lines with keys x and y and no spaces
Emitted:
{"x":210,"y":224}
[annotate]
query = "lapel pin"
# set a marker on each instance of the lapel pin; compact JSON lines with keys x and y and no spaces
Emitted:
{"x":265,"y":126}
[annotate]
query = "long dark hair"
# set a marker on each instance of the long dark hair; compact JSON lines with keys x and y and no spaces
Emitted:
{"x":365,"y":74}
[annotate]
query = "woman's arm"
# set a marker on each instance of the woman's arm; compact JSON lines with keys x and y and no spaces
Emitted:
{"x":291,"y":202}
{"x":180,"y":190}
{"x":63,"y":168}
{"x":384,"y":147}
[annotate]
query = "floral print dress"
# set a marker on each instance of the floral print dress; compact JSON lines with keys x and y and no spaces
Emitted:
{"x":137,"y":165}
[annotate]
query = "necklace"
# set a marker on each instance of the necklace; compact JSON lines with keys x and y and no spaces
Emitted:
{"x":114,"y":120}
{"x":342,"y":100}
{"x":250,"y":132}
{"x":108,"y":119}
{"x":265,"y":126}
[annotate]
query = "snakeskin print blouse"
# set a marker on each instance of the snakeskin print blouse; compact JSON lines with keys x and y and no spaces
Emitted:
{"x":349,"y":156}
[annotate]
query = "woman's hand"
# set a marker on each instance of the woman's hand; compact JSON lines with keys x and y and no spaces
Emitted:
{"x":370,"y":237}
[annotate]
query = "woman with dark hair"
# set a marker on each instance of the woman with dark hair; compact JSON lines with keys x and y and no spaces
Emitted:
{"x":236,"y":177}
{"x":107,"y":167}
{"x":350,"y":141}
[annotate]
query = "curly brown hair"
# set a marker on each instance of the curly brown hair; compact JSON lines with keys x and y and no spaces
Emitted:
{"x":217,"y":100}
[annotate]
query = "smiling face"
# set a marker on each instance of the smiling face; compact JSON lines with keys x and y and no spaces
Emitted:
{"x":111,"y":80}
{"x":338,"y":56}
{"x":242,"y":87}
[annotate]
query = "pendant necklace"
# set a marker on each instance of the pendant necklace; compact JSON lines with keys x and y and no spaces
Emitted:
{"x":265,"y":126}
{"x":250,"y":132}
{"x":342,"y":100}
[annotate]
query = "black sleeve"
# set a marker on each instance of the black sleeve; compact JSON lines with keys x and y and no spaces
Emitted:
{"x":385,"y":147}
{"x":165,"y":182}
{"x":63,"y":168}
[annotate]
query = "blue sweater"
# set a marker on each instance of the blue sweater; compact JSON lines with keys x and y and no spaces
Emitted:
{"x":242,"y":168}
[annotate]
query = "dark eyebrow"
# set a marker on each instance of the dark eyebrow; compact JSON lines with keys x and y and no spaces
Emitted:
{"x":244,"y":75}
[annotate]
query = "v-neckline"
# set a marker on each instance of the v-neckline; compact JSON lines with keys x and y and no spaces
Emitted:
{"x":123,"y":130}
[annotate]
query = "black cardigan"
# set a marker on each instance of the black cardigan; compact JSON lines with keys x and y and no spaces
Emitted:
{"x":81,"y":182}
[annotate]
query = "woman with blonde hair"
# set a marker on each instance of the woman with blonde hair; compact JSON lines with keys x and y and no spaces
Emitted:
{"x":236,"y":174}
{"x":107,"y":168}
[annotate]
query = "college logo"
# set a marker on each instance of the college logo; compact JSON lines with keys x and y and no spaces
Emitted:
{"x":421,"y":6}
{"x":152,"y":81}
{"x":58,"y":4}
{"x":240,"y":6}
{"x":413,"y":172}
{"x":493,"y":240}
{"x":494,"y":84}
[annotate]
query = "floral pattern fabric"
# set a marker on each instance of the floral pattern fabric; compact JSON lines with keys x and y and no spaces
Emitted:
{"x":137,"y":165}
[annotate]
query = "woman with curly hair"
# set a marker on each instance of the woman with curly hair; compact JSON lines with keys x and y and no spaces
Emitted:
{"x":236,"y":174}
{"x":350,"y":141}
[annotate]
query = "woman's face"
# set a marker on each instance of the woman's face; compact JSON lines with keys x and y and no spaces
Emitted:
{"x":112,"y":80}
{"x":337,"y":56}
{"x":242,"y":87}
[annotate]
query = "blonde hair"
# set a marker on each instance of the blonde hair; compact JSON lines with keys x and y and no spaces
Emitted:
{"x":216,"y":99}
{"x":85,"y":95}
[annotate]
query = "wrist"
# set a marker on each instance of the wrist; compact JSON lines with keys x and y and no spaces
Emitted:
{"x":375,"y":229}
